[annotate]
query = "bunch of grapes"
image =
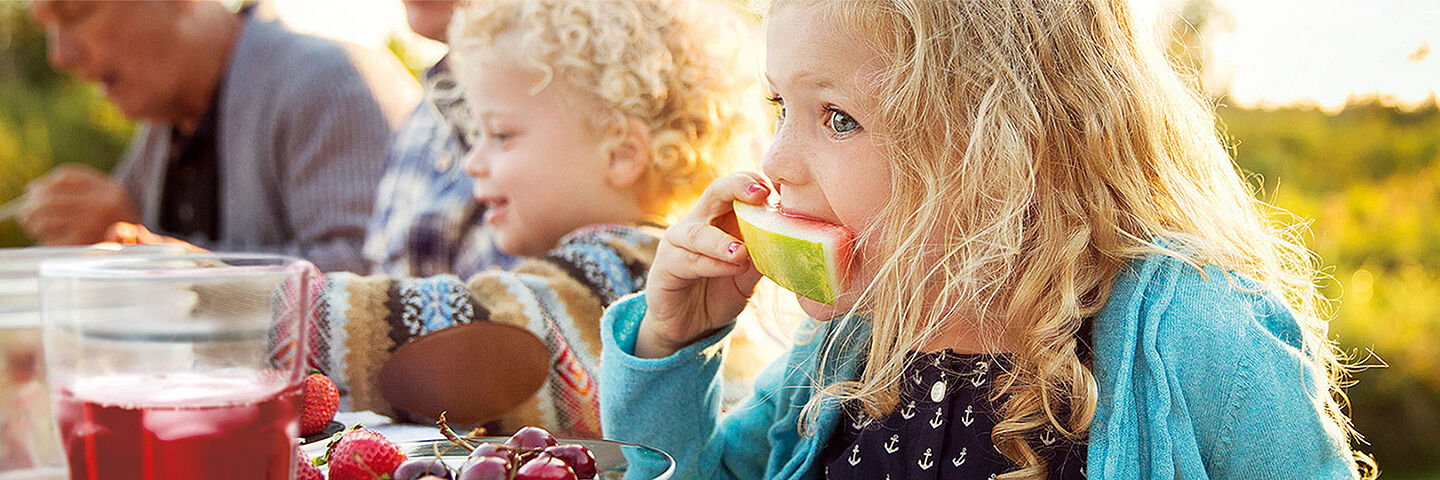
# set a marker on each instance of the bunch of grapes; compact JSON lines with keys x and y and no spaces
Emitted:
{"x":530,"y":454}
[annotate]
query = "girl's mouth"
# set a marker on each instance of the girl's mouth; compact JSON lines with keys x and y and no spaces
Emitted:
{"x":780,"y":207}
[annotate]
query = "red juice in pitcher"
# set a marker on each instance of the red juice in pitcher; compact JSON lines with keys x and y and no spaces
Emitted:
{"x":182,"y":426}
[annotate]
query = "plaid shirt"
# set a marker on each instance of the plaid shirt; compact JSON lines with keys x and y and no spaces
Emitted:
{"x":426,"y":221}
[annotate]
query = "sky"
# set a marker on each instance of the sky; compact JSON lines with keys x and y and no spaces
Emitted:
{"x":1270,"y":52}
{"x":1323,"y":51}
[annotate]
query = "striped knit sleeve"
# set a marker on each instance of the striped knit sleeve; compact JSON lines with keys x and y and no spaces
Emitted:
{"x":559,"y":297}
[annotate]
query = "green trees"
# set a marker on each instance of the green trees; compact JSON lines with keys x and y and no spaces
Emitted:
{"x":1369,"y":179}
{"x":46,"y":118}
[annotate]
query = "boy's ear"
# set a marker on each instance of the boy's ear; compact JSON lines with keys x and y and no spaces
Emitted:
{"x":629,"y":157}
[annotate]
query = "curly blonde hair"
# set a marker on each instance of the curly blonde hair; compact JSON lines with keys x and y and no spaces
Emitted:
{"x":678,"y":67}
{"x":1037,"y":147}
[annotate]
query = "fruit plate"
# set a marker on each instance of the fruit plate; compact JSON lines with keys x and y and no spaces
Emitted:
{"x":330,"y":430}
{"x":613,"y":460}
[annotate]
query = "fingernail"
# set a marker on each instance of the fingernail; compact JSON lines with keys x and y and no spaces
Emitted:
{"x":733,"y":247}
{"x":755,"y":187}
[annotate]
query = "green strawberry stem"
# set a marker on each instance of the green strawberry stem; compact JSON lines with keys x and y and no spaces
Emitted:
{"x":324,"y":458}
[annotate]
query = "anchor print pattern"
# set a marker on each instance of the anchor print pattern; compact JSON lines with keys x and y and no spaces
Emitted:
{"x":863,"y":422}
{"x":925,"y":463}
{"x":940,"y":429}
{"x":909,"y":411}
{"x":982,"y":369}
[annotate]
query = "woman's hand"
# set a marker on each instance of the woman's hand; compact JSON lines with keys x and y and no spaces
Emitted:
{"x":73,"y":205}
{"x":702,"y":276}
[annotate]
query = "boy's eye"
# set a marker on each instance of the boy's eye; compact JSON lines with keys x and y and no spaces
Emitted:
{"x":498,"y":136}
{"x":841,"y":122}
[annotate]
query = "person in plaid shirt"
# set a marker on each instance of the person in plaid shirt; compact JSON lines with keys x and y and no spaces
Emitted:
{"x":426,"y":220}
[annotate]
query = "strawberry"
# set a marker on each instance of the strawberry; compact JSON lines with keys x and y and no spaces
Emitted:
{"x":321,"y":402}
{"x":364,"y":454}
{"x":304,"y":470}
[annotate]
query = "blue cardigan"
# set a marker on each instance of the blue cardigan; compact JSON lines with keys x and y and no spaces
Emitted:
{"x":1200,"y":376}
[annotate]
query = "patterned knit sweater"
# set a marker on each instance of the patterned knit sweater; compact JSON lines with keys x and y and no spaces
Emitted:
{"x":361,"y":320}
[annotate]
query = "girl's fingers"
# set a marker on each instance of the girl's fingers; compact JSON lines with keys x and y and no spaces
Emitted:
{"x":715,"y":202}
{"x":708,"y":240}
{"x":702,"y":274}
{"x":690,"y":266}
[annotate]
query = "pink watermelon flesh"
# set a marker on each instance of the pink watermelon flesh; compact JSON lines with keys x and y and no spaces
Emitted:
{"x":803,"y":255}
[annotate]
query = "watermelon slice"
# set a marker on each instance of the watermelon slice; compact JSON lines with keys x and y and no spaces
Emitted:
{"x":803,"y":255}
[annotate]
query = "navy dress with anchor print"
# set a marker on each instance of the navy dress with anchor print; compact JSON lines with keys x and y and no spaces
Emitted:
{"x":940,"y":429}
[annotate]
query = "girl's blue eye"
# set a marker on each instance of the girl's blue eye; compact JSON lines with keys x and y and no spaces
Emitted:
{"x":841,"y":122}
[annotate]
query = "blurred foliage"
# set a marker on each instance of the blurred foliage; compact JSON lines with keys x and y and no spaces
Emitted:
{"x":1368,"y":177}
{"x":46,"y":118}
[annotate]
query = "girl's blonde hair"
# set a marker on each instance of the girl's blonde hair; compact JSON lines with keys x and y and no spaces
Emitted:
{"x":677,"y":67}
{"x":1037,"y":147}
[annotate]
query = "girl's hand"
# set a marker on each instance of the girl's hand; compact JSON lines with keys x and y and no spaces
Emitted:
{"x":702,"y":274}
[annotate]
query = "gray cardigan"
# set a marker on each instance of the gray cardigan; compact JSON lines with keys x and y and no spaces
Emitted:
{"x":302,"y":128}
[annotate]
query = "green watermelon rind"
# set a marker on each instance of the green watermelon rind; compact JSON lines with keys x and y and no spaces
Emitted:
{"x":795,"y":263}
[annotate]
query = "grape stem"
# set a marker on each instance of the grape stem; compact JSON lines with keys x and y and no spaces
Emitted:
{"x":451,"y":436}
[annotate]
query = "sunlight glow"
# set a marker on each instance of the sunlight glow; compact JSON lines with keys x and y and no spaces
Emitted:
{"x":1324,"y":52}
{"x":1274,"y":53}
{"x":366,"y":22}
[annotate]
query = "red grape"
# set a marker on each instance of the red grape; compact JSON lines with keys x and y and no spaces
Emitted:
{"x":485,"y":468}
{"x":577,"y":457}
{"x":487,"y":449}
{"x":420,"y":467}
{"x":545,"y":467}
{"x":531,"y":437}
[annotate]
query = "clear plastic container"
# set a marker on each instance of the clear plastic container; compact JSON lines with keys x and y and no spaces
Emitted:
{"x":29,"y":442}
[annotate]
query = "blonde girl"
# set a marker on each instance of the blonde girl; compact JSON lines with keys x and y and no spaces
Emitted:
{"x":1060,"y":272}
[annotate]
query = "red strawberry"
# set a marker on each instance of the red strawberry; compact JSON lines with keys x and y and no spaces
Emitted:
{"x":321,"y":402}
{"x":364,"y":454}
{"x":304,"y":470}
